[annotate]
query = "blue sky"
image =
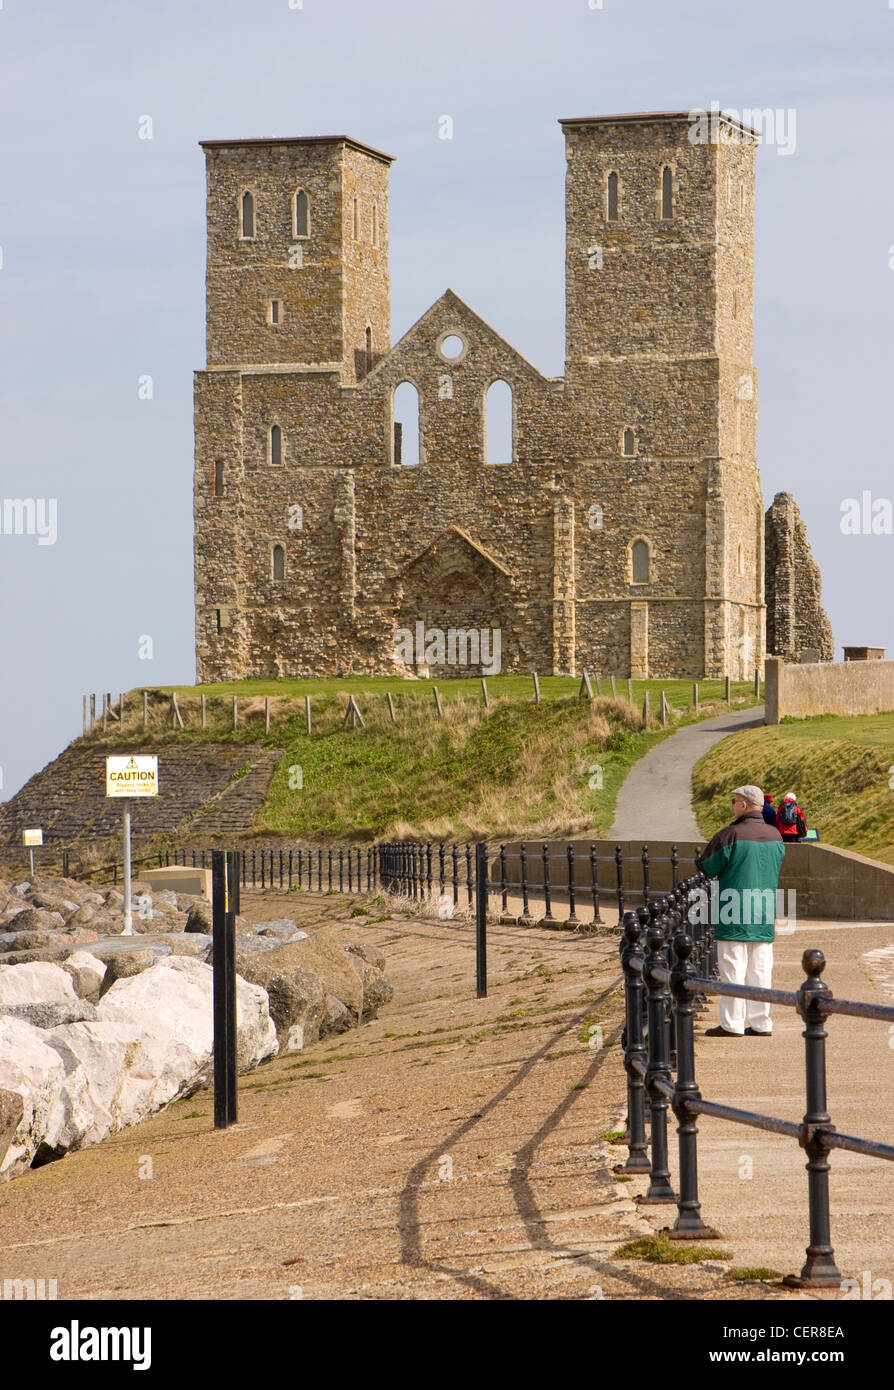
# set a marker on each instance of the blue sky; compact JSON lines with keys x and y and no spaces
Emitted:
{"x":102,"y":238}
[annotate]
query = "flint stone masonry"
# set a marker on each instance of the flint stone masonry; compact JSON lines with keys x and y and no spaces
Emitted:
{"x":649,"y":435}
{"x":797,"y":626}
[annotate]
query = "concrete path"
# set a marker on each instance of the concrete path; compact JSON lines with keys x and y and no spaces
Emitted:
{"x":655,"y":800}
{"x":454,"y":1149}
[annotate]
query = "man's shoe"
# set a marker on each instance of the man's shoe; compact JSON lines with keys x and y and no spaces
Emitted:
{"x":755,"y":1033}
{"x":719,"y":1032}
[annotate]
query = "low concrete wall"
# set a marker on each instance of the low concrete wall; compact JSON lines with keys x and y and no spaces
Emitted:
{"x":833,"y":687}
{"x":828,"y":882}
{"x":180,"y":878}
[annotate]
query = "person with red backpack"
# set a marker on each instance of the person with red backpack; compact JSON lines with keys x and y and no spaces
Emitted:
{"x":790,"y":819}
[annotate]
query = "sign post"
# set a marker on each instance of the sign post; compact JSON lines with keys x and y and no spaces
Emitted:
{"x":130,"y":776}
{"x":32,"y":838}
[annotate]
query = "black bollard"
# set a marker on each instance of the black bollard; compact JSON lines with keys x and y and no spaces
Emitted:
{"x":660,"y":1190}
{"x":689,"y":1224}
{"x":820,"y":1269}
{"x":635,"y":1051}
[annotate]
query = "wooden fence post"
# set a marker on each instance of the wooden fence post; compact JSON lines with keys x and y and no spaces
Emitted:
{"x":728,"y":692}
{"x":175,"y":709}
{"x":145,"y":710}
{"x":266,"y":714}
{"x":629,"y":690}
{"x":484,"y":693}
{"x":695,"y":695}
{"x":662,"y":709}
{"x":614,"y":687}
{"x":391,"y":707}
{"x":204,"y":714}
{"x":586,"y":689}
{"x":646,"y":711}
{"x":536,"y":688}
{"x":92,"y":709}
{"x":85,"y":715}
{"x":235,"y":710}
{"x":437,"y":695}
{"x":757,"y":681}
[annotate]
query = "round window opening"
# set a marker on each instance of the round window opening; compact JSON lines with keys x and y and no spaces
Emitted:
{"x":452,"y":347}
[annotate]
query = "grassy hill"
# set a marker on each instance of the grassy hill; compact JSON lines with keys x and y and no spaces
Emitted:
{"x":839,"y":768}
{"x":513,"y":768}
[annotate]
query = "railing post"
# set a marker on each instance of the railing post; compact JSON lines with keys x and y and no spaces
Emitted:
{"x":481,"y":919}
{"x":675,"y":862}
{"x":503,"y":878}
{"x":594,"y":877}
{"x":469,"y":891}
{"x":572,"y":915}
{"x":645,"y":859}
{"x":660,"y":1190}
{"x":523,"y":859}
{"x":619,"y":870}
{"x":635,"y":1052}
{"x":547,"y":901}
{"x":455,"y":855}
{"x":820,"y":1269}
{"x":428,"y":867}
{"x":689,"y":1224}
{"x":441,"y":865}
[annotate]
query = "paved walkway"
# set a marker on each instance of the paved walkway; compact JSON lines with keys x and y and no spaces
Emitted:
{"x":655,"y":800}
{"x":454,"y":1147}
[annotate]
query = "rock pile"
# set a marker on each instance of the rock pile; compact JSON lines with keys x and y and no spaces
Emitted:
{"x":98,"y":1030}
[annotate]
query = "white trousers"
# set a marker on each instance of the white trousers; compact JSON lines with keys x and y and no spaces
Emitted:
{"x":745,"y":963}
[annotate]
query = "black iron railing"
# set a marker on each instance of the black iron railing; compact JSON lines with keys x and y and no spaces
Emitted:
{"x":665,"y":985}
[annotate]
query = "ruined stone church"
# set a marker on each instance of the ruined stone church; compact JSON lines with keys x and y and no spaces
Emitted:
{"x":347,"y":490}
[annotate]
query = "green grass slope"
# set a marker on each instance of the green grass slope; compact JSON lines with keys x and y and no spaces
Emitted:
{"x":839,"y":768}
{"x":513,"y":768}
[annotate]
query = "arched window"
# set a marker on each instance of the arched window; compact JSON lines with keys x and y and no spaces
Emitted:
{"x":667,"y":192}
{"x":498,"y":423}
{"x":275,"y":444}
{"x":369,"y":348}
{"x":356,"y":220}
{"x":218,"y":478}
{"x":629,"y":442}
{"x":612,"y":197}
{"x":278,"y":562}
{"x":302,"y":218}
{"x":405,"y":411}
{"x":248,"y":214}
{"x":640,"y":561}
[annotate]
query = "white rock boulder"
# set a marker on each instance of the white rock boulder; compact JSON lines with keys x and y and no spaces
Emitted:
{"x":29,"y":1065}
{"x":37,"y":982}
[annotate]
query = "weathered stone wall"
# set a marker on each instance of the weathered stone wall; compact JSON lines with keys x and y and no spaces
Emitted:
{"x":797,"y":626}
{"x":658,"y":344}
{"x":841,"y":687}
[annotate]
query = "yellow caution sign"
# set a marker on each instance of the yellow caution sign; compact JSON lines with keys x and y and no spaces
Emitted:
{"x":136,"y":775}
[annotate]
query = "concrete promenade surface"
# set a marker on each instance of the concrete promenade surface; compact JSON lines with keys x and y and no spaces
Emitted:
{"x":655,"y":799}
{"x":454,"y":1147}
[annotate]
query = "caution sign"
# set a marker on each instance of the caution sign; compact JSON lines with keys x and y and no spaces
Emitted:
{"x":132,"y":776}
{"x":33,"y":837}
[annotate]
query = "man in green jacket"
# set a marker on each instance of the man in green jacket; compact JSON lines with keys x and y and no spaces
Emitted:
{"x":745,"y":857}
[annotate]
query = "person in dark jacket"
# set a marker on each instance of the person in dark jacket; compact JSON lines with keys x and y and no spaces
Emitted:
{"x":790,"y":819}
{"x":769,"y":809}
{"x":745,"y":857}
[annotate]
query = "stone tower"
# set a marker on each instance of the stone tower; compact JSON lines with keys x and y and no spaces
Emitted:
{"x":659,"y":330}
{"x":297,"y":268}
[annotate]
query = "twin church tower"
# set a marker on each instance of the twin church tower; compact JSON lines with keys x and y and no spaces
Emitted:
{"x":620,"y":530}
